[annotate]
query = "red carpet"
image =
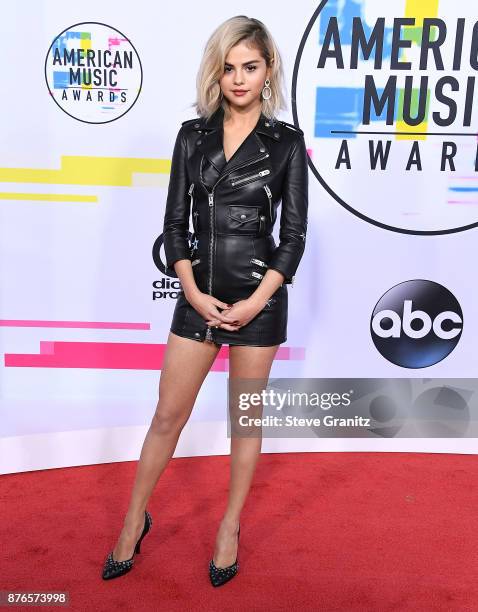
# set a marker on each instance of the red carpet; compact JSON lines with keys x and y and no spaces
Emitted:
{"x":320,"y":531}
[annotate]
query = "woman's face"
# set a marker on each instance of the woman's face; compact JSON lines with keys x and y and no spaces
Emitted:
{"x":244,"y":74}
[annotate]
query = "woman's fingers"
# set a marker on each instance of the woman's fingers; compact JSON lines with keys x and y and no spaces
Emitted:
{"x":216,"y":323}
{"x":219,"y":316}
{"x":229,"y":327}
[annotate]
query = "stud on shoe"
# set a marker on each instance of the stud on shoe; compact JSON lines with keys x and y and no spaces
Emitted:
{"x":113,"y":568}
{"x":221,"y":575}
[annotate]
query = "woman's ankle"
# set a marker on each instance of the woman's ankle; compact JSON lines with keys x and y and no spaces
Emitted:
{"x":232,"y":522}
{"x":134,"y":517}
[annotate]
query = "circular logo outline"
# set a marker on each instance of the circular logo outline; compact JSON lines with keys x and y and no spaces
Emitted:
{"x":48,"y":86}
{"x":156,"y":255}
{"x":316,"y":173}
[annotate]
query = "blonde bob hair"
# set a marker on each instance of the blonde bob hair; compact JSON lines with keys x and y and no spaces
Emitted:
{"x":255,"y":34}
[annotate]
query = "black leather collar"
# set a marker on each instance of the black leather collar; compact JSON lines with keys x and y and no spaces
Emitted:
{"x":268,"y":127}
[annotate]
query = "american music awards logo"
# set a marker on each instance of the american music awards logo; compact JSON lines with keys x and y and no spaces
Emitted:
{"x":93,"y":72}
{"x":385,"y":91}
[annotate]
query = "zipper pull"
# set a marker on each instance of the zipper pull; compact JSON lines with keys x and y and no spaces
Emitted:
{"x":269,"y":195}
{"x":211,"y":199}
{"x":191,"y":189}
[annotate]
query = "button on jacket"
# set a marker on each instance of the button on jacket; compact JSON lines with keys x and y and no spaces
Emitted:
{"x":234,"y":206}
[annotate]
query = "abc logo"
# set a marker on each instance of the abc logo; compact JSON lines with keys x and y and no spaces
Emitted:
{"x":416,"y":324}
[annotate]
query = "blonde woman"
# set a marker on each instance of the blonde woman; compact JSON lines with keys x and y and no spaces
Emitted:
{"x":231,"y":168}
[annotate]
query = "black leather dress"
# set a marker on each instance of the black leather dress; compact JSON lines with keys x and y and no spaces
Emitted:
{"x":234,"y":207}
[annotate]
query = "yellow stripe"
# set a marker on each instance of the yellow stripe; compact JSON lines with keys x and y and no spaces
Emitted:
{"x":88,"y":170}
{"x":49,"y":197}
{"x":86,"y":44}
{"x":420,"y":9}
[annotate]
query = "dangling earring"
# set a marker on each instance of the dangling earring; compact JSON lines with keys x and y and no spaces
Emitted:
{"x":266,"y":86}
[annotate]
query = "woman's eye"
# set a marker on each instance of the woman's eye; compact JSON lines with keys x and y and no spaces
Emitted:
{"x":249,"y":68}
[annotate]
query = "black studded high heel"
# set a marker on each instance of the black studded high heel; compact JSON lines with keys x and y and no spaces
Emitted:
{"x":221,"y":575}
{"x":112,"y":568}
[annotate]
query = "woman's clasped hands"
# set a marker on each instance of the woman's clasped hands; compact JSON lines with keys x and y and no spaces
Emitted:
{"x":226,"y":316}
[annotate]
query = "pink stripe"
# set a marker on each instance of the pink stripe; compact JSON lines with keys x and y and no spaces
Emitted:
{"x":47,"y":348}
{"x":296,"y":353}
{"x":76,"y":324}
{"x":117,"y":355}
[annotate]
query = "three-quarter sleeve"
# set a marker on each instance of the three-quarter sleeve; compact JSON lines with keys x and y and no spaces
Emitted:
{"x":176,"y":216}
{"x":294,"y":211}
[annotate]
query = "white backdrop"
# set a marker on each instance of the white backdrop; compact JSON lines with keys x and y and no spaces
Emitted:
{"x":83,"y":190}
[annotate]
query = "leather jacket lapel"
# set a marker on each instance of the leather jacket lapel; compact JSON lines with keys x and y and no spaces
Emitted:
{"x":211,"y":146}
{"x":250,"y":149}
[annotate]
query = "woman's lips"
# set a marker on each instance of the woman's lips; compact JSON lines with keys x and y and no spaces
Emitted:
{"x":238,"y":92}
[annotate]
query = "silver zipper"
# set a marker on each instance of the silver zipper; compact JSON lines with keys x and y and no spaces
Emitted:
{"x":259,"y":262}
{"x":252,"y":161}
{"x":250,"y":178}
{"x":190,"y":192}
{"x":209,"y":334}
{"x":269,"y":196}
{"x":211,"y":246}
{"x":191,"y":205}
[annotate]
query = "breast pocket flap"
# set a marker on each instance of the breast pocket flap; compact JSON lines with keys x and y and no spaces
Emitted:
{"x":243,"y":214}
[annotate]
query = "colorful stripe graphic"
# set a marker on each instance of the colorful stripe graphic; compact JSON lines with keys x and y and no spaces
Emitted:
{"x":61,"y":77}
{"x":341,"y":108}
{"x":418,"y":9}
{"x":73,"y":324}
{"x":118,"y":355}
{"x":89,"y":170}
{"x":49,"y":197}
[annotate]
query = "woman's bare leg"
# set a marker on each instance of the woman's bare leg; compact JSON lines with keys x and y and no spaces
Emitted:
{"x":244,"y":362}
{"x":177,"y":395}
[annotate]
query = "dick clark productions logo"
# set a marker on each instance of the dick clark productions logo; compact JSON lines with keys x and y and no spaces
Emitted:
{"x":416,"y":324}
{"x":93,"y":72}
{"x":385,"y":92}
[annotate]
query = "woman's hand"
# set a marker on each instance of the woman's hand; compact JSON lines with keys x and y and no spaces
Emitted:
{"x":239,"y":314}
{"x":207,"y":306}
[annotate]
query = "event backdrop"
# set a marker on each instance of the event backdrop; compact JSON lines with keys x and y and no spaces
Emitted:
{"x":93,"y":95}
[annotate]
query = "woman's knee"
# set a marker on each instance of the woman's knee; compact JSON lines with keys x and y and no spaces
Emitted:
{"x":167,"y":422}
